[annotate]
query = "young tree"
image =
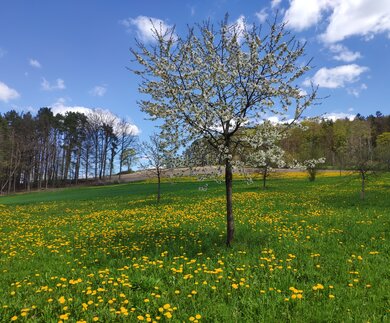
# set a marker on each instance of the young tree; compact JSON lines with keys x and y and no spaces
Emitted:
{"x":311,"y":166}
{"x":126,"y":142}
{"x":265,"y":151}
{"x":360,"y":150}
{"x":153,"y":154}
{"x":383,"y":149}
{"x":213,"y":82}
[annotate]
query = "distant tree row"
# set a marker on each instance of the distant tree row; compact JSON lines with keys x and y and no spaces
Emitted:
{"x":361,"y":143}
{"x":345,"y":144}
{"x":48,"y":150}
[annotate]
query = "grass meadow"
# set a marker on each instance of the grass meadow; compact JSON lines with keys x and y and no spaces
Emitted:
{"x":303,"y":252}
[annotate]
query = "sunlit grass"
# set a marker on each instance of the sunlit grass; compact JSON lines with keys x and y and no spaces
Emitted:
{"x":303,"y":252}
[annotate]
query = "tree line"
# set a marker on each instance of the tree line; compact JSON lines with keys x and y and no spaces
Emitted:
{"x":52,"y":150}
{"x":343,"y":143}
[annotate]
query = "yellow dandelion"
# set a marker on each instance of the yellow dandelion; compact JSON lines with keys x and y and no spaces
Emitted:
{"x":64,"y":316}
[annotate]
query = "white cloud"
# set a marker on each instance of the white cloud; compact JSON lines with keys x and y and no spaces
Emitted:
{"x":274,"y":119}
{"x":336,"y":77}
{"x":342,"y":53}
{"x":7,"y":93}
{"x":46,"y":86}
{"x":302,"y":92}
{"x":60,"y":107}
{"x":275,"y":3}
{"x":146,"y":27}
{"x":357,"y":18}
{"x":339,"y":115}
{"x":35,"y":63}
{"x":344,"y":18}
{"x":240,"y":26}
{"x":262,"y":15}
{"x":355,"y":91}
{"x":303,"y":14}
{"x":98,"y":90}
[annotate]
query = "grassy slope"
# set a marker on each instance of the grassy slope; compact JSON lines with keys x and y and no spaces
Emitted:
{"x":289,"y":239}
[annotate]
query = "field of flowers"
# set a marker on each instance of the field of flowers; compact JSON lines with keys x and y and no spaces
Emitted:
{"x":303,"y":252}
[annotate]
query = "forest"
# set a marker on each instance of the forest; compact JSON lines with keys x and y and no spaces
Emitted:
{"x":46,"y":150}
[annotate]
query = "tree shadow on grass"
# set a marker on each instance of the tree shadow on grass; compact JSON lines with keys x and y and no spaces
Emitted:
{"x":375,"y":199}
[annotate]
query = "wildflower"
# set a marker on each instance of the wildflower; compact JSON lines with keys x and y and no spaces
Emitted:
{"x":64,"y":316}
{"x":318,"y":286}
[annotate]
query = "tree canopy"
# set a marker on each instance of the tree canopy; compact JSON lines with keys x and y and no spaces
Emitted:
{"x":216,"y":80}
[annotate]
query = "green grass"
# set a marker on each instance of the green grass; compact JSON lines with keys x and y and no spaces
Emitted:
{"x":303,"y":252}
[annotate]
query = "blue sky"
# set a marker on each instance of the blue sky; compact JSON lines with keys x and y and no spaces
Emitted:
{"x":73,"y":54}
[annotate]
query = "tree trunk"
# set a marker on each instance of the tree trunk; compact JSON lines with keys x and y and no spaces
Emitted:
{"x":77,"y":167}
{"x":120,"y":164}
{"x":86,"y":162}
{"x":158,"y":186}
{"x":363,"y":193}
{"x":229,"y":202}
{"x":264,"y":177}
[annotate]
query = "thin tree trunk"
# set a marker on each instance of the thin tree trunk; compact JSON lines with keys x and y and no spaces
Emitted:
{"x":86,"y":162}
{"x":229,"y":202}
{"x":28,"y":181}
{"x":158,"y":185}
{"x":264,"y":177}
{"x":77,"y":167}
{"x":120,"y":163}
{"x":363,"y":193}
